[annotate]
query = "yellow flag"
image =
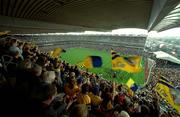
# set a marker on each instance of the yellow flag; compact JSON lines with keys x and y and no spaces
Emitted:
{"x":128,"y":64}
{"x":56,"y":52}
{"x":130,"y":82}
{"x":166,"y":91}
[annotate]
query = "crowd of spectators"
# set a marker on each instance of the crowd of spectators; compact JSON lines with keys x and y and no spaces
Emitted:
{"x":34,"y":84}
{"x":173,"y":75}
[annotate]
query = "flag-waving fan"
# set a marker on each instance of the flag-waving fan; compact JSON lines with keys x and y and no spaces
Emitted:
{"x":128,"y":64}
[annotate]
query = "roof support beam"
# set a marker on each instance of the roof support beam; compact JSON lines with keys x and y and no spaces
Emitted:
{"x":16,"y":25}
{"x":160,"y":9}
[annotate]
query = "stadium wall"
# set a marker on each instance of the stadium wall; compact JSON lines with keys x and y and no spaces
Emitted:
{"x":127,"y":44}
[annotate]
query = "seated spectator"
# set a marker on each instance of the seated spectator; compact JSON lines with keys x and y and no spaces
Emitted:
{"x":79,"y":110}
{"x":48,"y":106}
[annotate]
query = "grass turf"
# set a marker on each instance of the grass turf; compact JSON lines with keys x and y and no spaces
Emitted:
{"x":77,"y":55}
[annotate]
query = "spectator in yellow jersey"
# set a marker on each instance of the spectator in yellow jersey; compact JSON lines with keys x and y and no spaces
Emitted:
{"x":71,"y":89}
{"x":83,"y":97}
{"x":96,"y":100}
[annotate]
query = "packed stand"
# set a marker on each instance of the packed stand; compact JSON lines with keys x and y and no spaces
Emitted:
{"x":36,"y":85}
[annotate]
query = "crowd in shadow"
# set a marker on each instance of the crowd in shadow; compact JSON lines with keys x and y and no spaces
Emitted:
{"x":33,"y":84}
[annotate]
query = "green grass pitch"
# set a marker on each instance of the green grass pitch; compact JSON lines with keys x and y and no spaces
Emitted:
{"x":76,"y":55}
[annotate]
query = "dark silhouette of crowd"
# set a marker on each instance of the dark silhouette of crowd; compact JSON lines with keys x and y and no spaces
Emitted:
{"x":33,"y":84}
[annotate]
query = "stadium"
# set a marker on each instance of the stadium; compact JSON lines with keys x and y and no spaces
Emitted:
{"x":90,"y":58}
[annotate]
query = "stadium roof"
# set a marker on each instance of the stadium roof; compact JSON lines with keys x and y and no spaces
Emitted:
{"x":46,"y":16}
{"x":166,"y":56}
